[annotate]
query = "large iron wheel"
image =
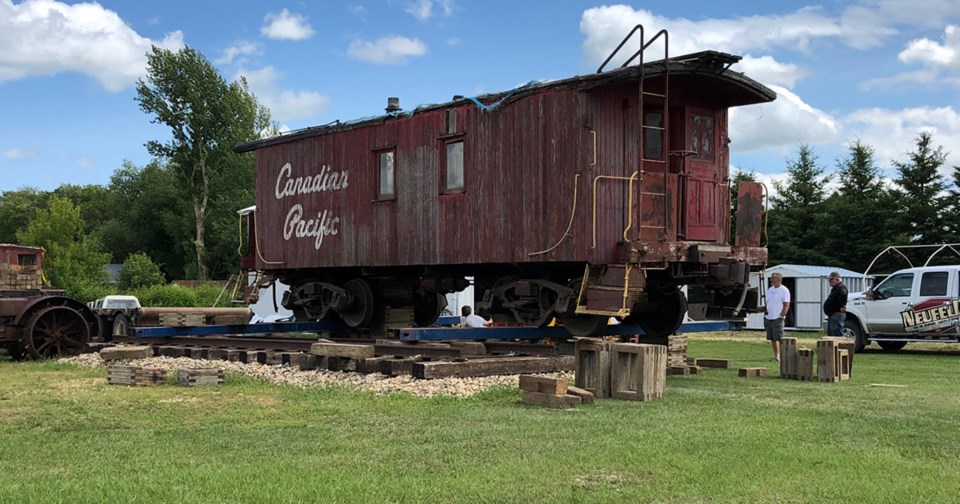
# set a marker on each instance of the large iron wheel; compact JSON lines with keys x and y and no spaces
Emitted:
{"x":427,"y":308}
{"x":55,"y":330}
{"x":671,"y":306}
{"x":361,"y":311}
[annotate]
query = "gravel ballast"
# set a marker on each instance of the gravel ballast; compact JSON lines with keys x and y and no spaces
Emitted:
{"x":285,"y":375}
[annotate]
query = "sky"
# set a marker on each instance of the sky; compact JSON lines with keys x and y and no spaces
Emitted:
{"x":878,"y":71}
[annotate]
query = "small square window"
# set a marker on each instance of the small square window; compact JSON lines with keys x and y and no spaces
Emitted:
{"x":26,"y":259}
{"x":387,"y":176}
{"x":454,"y":178}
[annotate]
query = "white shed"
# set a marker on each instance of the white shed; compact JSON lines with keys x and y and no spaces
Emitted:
{"x":809,"y":288}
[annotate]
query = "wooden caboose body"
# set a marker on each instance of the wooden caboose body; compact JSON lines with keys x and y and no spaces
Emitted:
{"x":584,"y":198}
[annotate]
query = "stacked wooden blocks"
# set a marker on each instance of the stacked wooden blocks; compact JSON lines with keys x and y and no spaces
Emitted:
{"x":844,"y":344}
{"x":833,"y":362}
{"x":135,"y":375}
{"x":593,"y":366}
{"x":638,"y":371}
{"x":676,"y":350}
{"x":552,"y":392}
{"x":182,"y":319}
{"x":198,"y":377}
{"x":398,"y":318}
{"x":752,"y":372}
{"x":795,"y":363}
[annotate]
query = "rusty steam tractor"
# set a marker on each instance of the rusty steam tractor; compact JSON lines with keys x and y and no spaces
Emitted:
{"x":37,"y":322}
{"x":585,"y":198}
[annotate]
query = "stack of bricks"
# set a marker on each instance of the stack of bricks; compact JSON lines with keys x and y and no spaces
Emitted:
{"x":552,"y":392}
{"x":182,"y":319}
{"x":16,"y":277}
{"x":134,"y":375}
{"x":199,"y":377}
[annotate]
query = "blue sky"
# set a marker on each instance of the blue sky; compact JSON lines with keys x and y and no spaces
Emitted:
{"x":875,"y":70}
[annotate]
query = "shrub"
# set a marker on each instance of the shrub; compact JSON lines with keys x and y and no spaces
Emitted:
{"x":140,"y":271}
{"x":166,"y":295}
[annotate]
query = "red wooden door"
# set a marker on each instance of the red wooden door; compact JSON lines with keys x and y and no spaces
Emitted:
{"x":702,"y":168}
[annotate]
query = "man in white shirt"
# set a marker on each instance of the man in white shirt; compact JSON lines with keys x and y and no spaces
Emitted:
{"x":468,"y":319}
{"x":778,"y":303}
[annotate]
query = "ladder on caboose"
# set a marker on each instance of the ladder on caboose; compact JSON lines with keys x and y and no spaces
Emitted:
{"x":659,"y":232}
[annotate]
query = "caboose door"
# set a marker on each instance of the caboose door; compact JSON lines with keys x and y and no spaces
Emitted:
{"x":702,"y":170}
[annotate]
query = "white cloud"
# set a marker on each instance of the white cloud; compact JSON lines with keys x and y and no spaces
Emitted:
{"x":892,"y":132}
{"x":85,"y":164}
{"x":18,"y":153}
{"x":423,"y":9}
{"x":935,"y":54}
{"x":392,"y":50}
{"x":357,"y":10}
{"x":454,"y":41}
{"x":284,"y":105}
{"x":242,"y":48}
{"x":286,"y":26}
{"x":787,"y":121}
{"x":46,"y":37}
{"x":767,"y":70}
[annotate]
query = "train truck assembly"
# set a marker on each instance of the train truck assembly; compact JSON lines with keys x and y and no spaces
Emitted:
{"x":585,"y":198}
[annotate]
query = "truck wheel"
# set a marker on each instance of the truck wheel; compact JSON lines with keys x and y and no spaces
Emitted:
{"x":851,"y":329}
{"x":121,"y":326}
{"x":891,"y":346}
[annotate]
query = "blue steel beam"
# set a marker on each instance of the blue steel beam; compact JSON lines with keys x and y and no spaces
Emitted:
{"x":210,"y":330}
{"x":534,"y":333}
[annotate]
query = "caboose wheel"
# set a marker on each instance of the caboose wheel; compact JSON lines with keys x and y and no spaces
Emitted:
{"x":427,"y":308}
{"x":361,"y":310}
{"x":583,"y":325}
{"x":666,"y":318}
{"x":55,"y":330}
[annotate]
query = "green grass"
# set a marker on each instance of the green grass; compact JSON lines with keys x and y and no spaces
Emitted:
{"x":65,"y":436}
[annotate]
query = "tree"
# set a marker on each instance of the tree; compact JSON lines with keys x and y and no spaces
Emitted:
{"x":139,"y":271}
{"x":207,"y":118}
{"x":73,"y":261}
{"x":17,"y":208}
{"x":857,"y":218}
{"x":920,"y":200}
{"x":796,"y":209}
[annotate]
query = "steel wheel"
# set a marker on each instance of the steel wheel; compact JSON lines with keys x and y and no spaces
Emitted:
{"x":427,"y":308}
{"x":361,"y":310}
{"x":55,"y":330}
{"x":671,"y":307}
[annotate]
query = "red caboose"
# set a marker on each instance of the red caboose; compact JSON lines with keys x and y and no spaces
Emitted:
{"x":589,"y":197}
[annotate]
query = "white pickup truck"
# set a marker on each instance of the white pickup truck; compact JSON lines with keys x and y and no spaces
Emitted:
{"x":914,"y":304}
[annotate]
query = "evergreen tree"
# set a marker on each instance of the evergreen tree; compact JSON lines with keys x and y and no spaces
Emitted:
{"x":795,"y":211}
{"x":920,"y":199}
{"x":857,"y":218}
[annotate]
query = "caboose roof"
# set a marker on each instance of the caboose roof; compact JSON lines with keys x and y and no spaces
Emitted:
{"x":735,"y":88}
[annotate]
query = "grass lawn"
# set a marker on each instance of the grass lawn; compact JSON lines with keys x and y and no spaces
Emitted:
{"x":65,"y":436}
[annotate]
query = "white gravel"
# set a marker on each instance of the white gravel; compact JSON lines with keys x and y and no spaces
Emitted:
{"x":375,"y":382}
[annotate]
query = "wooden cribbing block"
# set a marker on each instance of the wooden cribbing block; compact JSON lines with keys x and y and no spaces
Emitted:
{"x":638,"y":371}
{"x":678,"y":371}
{"x":593,"y":366}
{"x":714,"y":363}
{"x":342,"y":350}
{"x":695,"y":370}
{"x":788,"y":358}
{"x":492,"y":367}
{"x":469,"y":347}
{"x":844,"y":358}
{"x":135,"y":375}
{"x":844,"y":344}
{"x":399,"y":365}
{"x":828,"y":369}
{"x":150,"y":376}
{"x":182,"y":319}
{"x":752,"y":372}
{"x":555,"y":386}
{"x":586,"y":397}
{"x":196,"y":377}
{"x":804,"y":364}
{"x":550,"y":400}
{"x":231,"y":319}
{"x":124,"y":352}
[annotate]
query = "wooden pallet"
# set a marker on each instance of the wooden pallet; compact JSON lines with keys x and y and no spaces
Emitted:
{"x":135,"y":375}
{"x":198,"y":377}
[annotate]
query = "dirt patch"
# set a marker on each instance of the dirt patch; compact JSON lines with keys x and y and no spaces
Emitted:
{"x":79,"y":383}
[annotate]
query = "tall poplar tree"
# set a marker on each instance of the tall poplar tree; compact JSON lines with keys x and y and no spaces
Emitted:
{"x":207,"y":117}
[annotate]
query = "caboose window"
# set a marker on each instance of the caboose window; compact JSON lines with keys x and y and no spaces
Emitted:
{"x":387,"y":175}
{"x":451,"y":121}
{"x":26,"y":259}
{"x":653,"y":135}
{"x":454,"y":174}
{"x":701,"y":137}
